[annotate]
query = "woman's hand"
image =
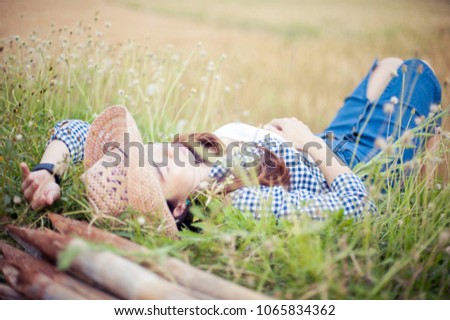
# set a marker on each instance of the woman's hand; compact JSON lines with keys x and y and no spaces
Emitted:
{"x":292,"y":130}
{"x":39,"y":188}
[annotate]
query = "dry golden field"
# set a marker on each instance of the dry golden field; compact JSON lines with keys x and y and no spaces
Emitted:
{"x":284,"y":58}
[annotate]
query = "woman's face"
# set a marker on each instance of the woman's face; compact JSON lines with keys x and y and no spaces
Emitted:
{"x":175,"y":168}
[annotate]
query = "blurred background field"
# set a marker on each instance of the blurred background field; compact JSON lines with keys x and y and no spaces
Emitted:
{"x":195,"y":65}
{"x":286,"y":58}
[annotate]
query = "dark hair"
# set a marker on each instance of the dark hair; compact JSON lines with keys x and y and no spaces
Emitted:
{"x":186,"y":219}
{"x":270,"y":169}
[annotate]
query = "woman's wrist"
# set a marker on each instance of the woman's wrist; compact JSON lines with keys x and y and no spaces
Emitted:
{"x":57,"y":154}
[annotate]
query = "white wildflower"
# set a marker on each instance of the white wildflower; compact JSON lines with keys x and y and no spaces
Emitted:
{"x":390,"y":149}
{"x":141,"y":221}
{"x":121,"y":92}
{"x":435,"y":160}
{"x":412,"y":165}
{"x":431,"y":206}
{"x":418,"y":120}
{"x":17,"y":199}
{"x":211,"y":66}
{"x":151,"y":89}
{"x":407,"y":137}
{"x":181,"y":124}
{"x":227,"y":239}
{"x":388,"y":108}
{"x":227,"y":89}
{"x":444,"y":237}
{"x":434,"y":108}
{"x":19,"y":137}
{"x":133,"y":83}
{"x":131,"y":71}
{"x":394,"y":100}
{"x":203,"y":185}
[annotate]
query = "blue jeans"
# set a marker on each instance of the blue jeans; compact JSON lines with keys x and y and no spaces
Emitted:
{"x":360,"y":121}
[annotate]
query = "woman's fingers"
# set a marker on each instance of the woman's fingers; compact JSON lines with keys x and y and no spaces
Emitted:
{"x":39,"y":188}
{"x":51,"y":196}
{"x":30,"y":191}
{"x":277,"y":123}
{"x":25,"y":176}
{"x":25,"y":170}
{"x":26,"y":183}
{"x":272,"y":128}
{"x":45,"y":197}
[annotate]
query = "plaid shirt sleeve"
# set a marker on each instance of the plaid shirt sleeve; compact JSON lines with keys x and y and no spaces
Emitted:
{"x":347,"y":193}
{"x":73,"y":133}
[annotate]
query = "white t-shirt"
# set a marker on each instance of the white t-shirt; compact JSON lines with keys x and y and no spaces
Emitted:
{"x":238,"y":131}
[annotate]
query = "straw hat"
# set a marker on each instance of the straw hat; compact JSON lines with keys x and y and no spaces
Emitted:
{"x":113,"y":185}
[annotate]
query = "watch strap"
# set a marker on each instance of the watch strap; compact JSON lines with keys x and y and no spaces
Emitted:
{"x":50,"y":168}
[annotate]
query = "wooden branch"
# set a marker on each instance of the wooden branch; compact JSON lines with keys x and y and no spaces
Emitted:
{"x":118,"y":275}
{"x":183,"y":273}
{"x":8,"y":293}
{"x":31,"y":265}
{"x":35,"y":285}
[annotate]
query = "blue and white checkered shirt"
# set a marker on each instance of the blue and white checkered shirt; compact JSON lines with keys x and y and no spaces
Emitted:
{"x":308,"y":192}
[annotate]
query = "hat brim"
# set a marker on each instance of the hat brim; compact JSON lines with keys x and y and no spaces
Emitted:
{"x":143,"y":189}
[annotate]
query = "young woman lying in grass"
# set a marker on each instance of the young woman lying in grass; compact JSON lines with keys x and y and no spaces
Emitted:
{"x":308,"y":176}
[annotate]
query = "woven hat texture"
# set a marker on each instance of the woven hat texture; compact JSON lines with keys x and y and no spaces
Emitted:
{"x":115,"y":180}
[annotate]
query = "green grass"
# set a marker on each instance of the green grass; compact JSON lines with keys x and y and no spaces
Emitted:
{"x":401,"y":253}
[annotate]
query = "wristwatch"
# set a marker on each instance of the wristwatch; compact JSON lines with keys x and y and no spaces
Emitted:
{"x":50,"y":168}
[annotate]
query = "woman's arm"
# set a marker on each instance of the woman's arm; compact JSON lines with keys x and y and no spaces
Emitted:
{"x":65,"y":145}
{"x":303,"y":139}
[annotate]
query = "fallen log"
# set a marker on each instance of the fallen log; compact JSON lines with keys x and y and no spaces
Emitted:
{"x":112,"y":272}
{"x":8,"y":293}
{"x":183,"y":273}
{"x":35,"y":285}
{"x":31,"y":265}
